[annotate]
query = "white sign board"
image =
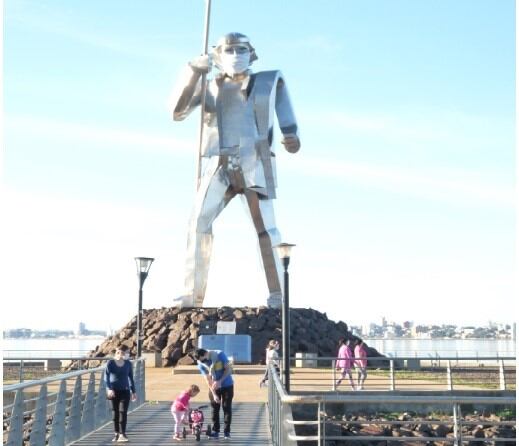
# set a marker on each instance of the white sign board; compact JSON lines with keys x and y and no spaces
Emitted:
{"x":226,"y":327}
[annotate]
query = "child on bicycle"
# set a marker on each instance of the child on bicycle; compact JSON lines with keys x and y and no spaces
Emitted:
{"x":180,"y":408}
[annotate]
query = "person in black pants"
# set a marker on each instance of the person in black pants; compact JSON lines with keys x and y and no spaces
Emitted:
{"x":224,"y":400}
{"x":216,"y":369}
{"x":119,"y":384}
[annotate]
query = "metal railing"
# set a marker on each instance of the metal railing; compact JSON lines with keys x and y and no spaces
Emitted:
{"x":408,"y":373}
{"x":317,"y":417}
{"x":59,"y":410}
{"x":22,"y":368}
{"x":51,"y":353}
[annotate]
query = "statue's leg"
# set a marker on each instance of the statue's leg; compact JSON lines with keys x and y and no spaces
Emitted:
{"x":262,"y":214}
{"x":212,"y":196}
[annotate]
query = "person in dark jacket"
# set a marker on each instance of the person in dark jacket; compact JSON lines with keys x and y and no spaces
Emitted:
{"x":120,"y":388}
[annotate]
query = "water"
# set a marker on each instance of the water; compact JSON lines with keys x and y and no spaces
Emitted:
{"x":52,"y":348}
{"x":396,"y":347}
{"x":444,"y":347}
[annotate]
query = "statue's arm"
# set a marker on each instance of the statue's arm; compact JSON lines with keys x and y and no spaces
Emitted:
{"x":186,"y":96}
{"x":286,"y":118}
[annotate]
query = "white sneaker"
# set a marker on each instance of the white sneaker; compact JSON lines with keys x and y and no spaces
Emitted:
{"x":123,"y":439}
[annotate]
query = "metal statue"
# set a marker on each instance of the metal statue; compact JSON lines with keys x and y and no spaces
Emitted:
{"x":236,"y":152}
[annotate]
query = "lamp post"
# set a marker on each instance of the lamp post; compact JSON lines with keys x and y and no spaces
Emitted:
{"x":283,"y":250}
{"x":143,"y":266}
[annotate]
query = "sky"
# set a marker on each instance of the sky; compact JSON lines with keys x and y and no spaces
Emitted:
{"x":401,"y":201}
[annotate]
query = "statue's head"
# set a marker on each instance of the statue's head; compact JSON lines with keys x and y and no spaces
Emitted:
{"x":233,"y":53}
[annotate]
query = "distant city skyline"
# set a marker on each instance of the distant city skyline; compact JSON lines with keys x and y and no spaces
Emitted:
{"x":350,"y":325}
{"x":401,"y":201}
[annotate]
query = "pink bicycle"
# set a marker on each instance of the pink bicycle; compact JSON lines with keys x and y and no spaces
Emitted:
{"x":196,"y":423}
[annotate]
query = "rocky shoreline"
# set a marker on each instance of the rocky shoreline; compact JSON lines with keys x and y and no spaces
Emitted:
{"x":174,"y":332}
{"x":407,"y":426}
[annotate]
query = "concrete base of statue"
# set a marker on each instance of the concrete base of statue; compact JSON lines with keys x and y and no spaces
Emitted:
{"x":275,"y":300}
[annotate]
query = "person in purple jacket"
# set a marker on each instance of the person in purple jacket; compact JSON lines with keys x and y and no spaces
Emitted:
{"x":120,"y":387}
{"x":345,"y":362}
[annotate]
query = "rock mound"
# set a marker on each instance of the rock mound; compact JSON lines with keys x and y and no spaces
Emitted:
{"x":174,"y":331}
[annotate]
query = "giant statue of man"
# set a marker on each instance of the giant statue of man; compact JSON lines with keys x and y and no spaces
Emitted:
{"x":237,"y":154}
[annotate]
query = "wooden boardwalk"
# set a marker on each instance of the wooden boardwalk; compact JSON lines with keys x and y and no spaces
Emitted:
{"x":152,"y":424}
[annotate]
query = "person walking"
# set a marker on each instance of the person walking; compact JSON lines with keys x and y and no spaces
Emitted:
{"x":345,"y":362}
{"x":361,"y":363}
{"x":216,"y":369}
{"x":120,"y":388}
{"x":271,"y":357}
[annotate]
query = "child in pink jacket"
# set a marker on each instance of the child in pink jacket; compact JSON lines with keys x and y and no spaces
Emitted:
{"x":180,"y":408}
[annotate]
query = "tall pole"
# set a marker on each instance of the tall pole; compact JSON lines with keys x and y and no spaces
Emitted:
{"x":286,"y":327}
{"x":143,"y":266}
{"x":203,"y":93}
{"x":142,"y":277}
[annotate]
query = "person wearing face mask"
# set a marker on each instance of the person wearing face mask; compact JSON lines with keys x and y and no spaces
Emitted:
{"x":237,"y":154}
{"x":216,"y":369}
{"x":271,"y":357}
{"x":119,"y":384}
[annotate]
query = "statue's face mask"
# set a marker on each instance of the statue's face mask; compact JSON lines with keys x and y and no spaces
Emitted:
{"x":234,"y":59}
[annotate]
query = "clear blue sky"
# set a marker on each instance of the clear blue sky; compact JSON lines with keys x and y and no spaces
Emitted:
{"x":401,"y":201}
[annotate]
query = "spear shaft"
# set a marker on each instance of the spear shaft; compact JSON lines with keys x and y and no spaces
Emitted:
{"x":203,"y":93}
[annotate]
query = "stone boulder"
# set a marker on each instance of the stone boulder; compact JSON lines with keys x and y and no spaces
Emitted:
{"x":174,"y":331}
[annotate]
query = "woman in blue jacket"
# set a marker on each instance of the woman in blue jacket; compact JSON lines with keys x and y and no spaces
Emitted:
{"x":119,"y":384}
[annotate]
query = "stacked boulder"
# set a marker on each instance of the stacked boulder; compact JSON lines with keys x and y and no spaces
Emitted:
{"x":174,"y":331}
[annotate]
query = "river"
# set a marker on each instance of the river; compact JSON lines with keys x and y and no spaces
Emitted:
{"x":444,"y":347}
{"x":53,"y":348}
{"x":395,"y":347}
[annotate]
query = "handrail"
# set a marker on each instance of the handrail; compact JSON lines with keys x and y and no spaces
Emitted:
{"x":61,"y":377}
{"x":420,"y":358}
{"x":77,"y":411}
{"x":32,"y":365}
{"x":392,"y":373}
{"x":59,"y":358}
{"x":282,"y":425}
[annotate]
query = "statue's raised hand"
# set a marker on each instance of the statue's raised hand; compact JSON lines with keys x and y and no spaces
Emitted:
{"x":202,"y":64}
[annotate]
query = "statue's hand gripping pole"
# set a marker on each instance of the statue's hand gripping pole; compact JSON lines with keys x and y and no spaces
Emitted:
{"x":203,"y":94}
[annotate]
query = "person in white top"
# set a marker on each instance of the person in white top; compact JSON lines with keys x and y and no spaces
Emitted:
{"x":271,"y":357}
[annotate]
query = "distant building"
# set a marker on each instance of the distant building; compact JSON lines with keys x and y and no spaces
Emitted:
{"x":467,"y":332}
{"x":18,"y":333}
{"x":408,"y":325}
{"x":81,"y":331}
